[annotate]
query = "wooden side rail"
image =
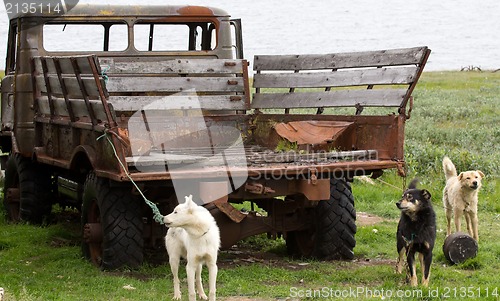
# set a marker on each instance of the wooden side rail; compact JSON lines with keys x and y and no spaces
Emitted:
{"x":70,"y":90}
{"x":211,"y":84}
{"x":63,"y":84}
{"x":359,"y":79}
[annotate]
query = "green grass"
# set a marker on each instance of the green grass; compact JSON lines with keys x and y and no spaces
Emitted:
{"x":455,"y":114}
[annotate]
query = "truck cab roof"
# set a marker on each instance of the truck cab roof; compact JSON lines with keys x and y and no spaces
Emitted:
{"x":93,"y":10}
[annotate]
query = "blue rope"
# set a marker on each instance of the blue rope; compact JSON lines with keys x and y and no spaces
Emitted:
{"x":104,"y":75}
{"x":156,"y":212}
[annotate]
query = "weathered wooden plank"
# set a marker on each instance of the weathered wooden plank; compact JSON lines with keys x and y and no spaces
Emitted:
{"x":358,"y":77}
{"x":38,"y":65}
{"x":338,"y":98}
{"x":392,"y":57}
{"x":40,"y":84}
{"x":72,"y":86}
{"x":65,"y":63}
{"x":60,"y":108}
{"x":57,"y":120}
{"x":54,"y":83}
{"x":80,"y":109}
{"x":175,"y":84}
{"x":78,"y":105}
{"x":208,"y":102}
{"x":173,"y":66}
{"x":43,"y":106}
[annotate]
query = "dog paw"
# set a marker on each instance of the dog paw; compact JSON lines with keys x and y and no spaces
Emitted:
{"x":425,"y":282}
{"x":212,"y":296}
{"x":177,"y":296}
{"x":202,"y":296}
{"x":413,"y":281}
{"x":399,"y":267}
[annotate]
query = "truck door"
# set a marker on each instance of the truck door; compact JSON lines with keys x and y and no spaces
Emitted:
{"x":237,"y":38}
{"x":7,"y":92}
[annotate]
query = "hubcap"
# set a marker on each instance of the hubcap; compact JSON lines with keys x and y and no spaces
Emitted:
{"x":92,"y":233}
{"x":12,"y":198}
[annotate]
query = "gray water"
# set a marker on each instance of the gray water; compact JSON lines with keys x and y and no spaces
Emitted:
{"x":461,"y":33}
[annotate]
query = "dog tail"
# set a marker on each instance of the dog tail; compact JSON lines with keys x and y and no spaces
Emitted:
{"x":449,"y":168}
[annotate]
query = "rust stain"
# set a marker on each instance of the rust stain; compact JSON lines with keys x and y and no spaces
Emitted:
{"x":311,"y":132}
{"x":106,"y":12}
{"x":195,"y":11}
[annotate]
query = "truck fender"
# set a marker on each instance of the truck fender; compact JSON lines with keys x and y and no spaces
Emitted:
{"x":84,"y":156}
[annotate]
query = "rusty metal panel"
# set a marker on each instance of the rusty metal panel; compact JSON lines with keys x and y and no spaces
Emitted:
{"x":380,"y":133}
{"x":310,"y":131}
{"x":314,"y":190}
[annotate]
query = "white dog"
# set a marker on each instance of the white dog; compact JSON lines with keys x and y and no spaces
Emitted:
{"x":193,"y":234}
{"x":460,"y":197}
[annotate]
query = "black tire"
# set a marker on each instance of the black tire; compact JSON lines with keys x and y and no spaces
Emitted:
{"x":332,"y":236}
{"x":112,"y":225}
{"x":33,"y":200}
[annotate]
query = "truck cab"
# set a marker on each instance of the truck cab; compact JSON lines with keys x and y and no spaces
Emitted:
{"x":113,"y":33}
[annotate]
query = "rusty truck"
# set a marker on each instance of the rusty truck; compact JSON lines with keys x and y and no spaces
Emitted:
{"x":105,"y":106}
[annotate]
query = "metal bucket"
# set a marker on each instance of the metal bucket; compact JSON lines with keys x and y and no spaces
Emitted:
{"x":459,"y":247}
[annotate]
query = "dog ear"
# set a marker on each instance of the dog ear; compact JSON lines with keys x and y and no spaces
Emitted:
{"x":480,"y":173}
{"x":426,"y":194}
{"x":189,"y":199}
{"x":413,"y":184}
{"x":461,"y":176}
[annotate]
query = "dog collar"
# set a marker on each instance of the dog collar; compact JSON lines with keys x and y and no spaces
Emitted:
{"x":409,"y":242}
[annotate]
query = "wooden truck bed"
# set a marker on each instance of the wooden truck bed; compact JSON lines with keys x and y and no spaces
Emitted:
{"x":160,"y":115}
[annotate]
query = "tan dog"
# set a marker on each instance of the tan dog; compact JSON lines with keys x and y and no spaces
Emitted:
{"x":460,"y":197}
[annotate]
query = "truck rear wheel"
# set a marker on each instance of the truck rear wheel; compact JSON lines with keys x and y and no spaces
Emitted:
{"x":112,"y":225}
{"x":27,"y":190}
{"x":333,"y":233}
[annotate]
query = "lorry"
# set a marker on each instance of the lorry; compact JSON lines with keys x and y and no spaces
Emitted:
{"x":116,"y":110}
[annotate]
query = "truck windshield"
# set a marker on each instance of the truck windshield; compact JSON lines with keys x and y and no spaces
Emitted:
{"x":148,"y":36}
{"x":85,"y":37}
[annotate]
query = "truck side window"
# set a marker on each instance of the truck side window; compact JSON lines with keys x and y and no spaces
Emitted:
{"x":85,"y":37}
{"x":174,"y":36}
{"x":10,"y":64}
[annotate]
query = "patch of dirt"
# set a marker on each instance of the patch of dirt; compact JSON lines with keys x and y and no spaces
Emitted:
{"x":241,"y":256}
{"x":373,"y":261}
{"x":367,"y":219}
{"x":237,"y":298}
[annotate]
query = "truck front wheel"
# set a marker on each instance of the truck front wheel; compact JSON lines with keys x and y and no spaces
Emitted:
{"x":27,"y":190}
{"x":111,"y":224}
{"x":332,"y":235}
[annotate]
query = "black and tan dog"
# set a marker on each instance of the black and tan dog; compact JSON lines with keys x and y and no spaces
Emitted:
{"x":416,"y":232}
